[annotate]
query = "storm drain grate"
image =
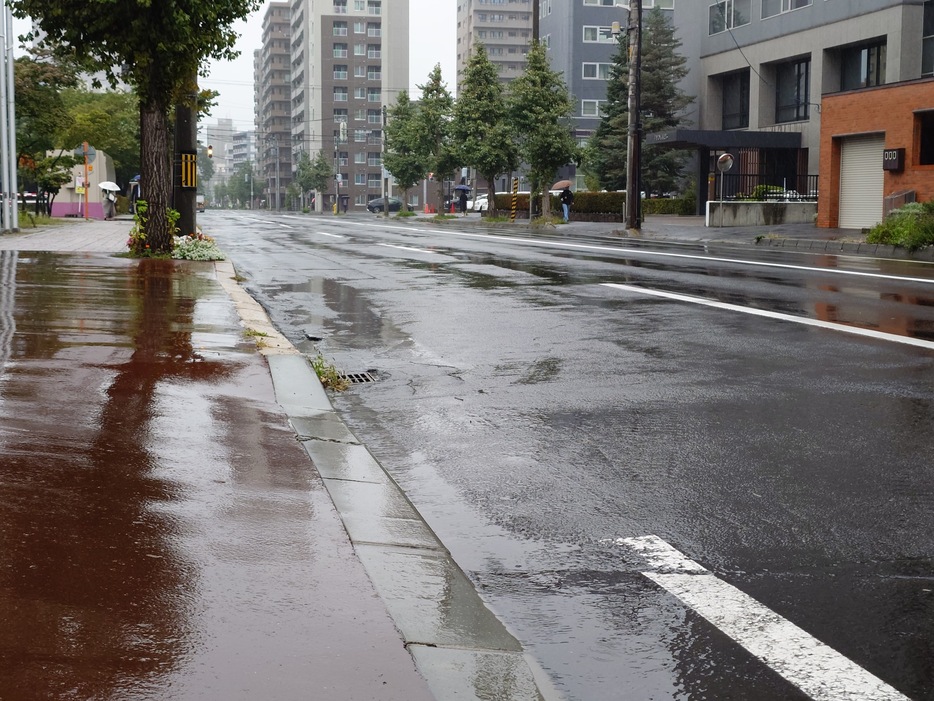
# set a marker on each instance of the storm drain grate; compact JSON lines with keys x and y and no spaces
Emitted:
{"x":357,"y":378}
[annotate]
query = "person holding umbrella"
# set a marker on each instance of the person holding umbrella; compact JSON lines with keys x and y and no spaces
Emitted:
{"x":110,"y":199}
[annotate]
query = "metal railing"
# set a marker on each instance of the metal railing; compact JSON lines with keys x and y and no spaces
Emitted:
{"x":757,"y":187}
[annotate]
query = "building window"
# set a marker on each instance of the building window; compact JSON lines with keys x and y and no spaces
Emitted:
{"x":735,"y":100}
{"x":374,"y":73}
{"x":925,"y":123}
{"x":374,"y":51}
{"x":340,"y":72}
{"x":374,"y":30}
{"x":591,"y":108}
{"x":927,"y":44}
{"x":342,"y":158}
{"x":601,"y":3}
{"x":359,"y":49}
{"x":360,"y":200}
{"x":340,"y":7}
{"x":727,"y":14}
{"x":359,"y":115}
{"x":374,"y":160}
{"x":374,"y":181}
{"x":374,"y":117}
{"x":372,"y":95}
{"x":340,"y":94}
{"x":359,"y":5}
{"x":340,"y":29}
{"x":792,"y":91}
{"x":598,"y":35}
{"x":374,"y":7}
{"x":359,"y":71}
{"x":340,"y":50}
{"x":359,"y":179}
{"x":359,"y":93}
{"x":359,"y":158}
{"x":359,"y":28}
{"x":862,"y":66}
{"x":770,"y":8}
{"x":596,"y":71}
{"x":359,"y":135}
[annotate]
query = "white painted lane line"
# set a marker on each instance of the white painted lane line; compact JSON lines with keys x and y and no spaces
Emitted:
{"x":324,"y":233}
{"x":406,"y":248}
{"x":817,"y":669}
{"x":664,"y":254}
{"x":855,"y":330}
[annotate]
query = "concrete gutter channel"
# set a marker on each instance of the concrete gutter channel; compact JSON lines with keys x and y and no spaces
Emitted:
{"x":459,"y":646}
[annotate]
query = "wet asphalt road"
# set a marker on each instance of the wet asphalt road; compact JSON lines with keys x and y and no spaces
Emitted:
{"x":535,"y":416}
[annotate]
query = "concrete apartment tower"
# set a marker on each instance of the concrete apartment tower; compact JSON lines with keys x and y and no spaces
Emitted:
{"x":504,"y":27}
{"x":273,"y":110}
{"x":349,"y":60}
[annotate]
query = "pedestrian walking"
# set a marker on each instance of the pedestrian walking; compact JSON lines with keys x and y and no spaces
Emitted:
{"x":463,"y":202}
{"x":567,"y":199}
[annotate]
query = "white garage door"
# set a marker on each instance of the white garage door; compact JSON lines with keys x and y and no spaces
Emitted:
{"x":862,"y":181}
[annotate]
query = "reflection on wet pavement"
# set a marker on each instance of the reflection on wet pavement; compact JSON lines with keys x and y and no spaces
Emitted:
{"x":163,"y":534}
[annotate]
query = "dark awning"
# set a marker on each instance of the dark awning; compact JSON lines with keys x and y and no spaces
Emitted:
{"x":724,"y":140}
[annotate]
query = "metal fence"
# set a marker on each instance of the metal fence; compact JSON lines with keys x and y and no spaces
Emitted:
{"x":751,"y":186}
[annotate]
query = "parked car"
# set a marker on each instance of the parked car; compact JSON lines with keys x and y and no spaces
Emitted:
{"x":480,"y":204}
{"x":395,"y":204}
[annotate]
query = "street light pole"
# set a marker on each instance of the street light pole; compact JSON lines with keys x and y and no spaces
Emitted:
{"x":634,"y":145}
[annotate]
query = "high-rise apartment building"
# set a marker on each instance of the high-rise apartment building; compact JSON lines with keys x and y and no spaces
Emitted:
{"x":504,"y":27}
{"x":273,"y":95}
{"x":349,"y":60}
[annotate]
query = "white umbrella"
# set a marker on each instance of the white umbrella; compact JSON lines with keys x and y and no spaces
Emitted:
{"x":107,"y":185}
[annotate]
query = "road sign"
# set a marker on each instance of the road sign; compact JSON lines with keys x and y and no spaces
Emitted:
{"x":92,"y":153}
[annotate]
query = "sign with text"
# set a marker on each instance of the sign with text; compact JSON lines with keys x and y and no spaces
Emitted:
{"x":893,"y":159}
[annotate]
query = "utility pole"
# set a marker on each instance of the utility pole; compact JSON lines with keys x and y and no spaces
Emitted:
{"x":634,"y":145}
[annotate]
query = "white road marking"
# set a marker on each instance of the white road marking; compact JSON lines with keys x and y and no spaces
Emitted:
{"x":324,"y":233}
{"x":407,"y":248}
{"x":666,"y":254}
{"x":817,"y":669}
{"x":855,"y":330}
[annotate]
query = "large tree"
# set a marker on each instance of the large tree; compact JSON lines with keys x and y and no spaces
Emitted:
{"x":433,"y":120}
{"x":158,"y":47}
{"x":481,"y":128}
{"x":540,"y":110}
{"x":402,"y":156}
{"x":662,"y":107}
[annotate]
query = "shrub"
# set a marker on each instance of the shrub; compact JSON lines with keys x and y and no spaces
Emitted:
{"x":911,"y":227}
{"x":197,"y":247}
{"x":764,"y":192}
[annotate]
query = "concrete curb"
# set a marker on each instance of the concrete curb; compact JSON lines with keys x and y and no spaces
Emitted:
{"x":459,"y":646}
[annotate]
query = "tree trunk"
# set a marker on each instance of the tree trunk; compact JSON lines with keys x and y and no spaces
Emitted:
{"x":156,"y":176}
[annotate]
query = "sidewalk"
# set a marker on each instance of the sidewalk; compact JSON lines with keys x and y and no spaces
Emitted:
{"x":166,"y":535}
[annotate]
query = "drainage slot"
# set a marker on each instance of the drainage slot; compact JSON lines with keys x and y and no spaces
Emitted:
{"x":357,"y":378}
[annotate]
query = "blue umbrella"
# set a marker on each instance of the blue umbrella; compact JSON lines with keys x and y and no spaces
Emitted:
{"x":462,"y":187}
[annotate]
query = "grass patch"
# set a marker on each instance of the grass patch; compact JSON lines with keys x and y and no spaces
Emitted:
{"x":404,"y":214}
{"x":328,"y":375}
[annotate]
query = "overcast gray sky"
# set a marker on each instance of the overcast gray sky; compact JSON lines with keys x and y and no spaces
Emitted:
{"x":433,"y":25}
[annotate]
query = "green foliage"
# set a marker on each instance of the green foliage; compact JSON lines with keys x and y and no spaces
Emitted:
{"x":328,"y":375}
{"x":41,"y":112}
{"x":481,"y":128}
{"x":433,"y":124}
{"x":910,"y":226}
{"x":765,"y":192}
{"x":138,"y":242}
{"x":662,"y":108}
{"x":313,"y":175}
{"x":540,"y":109}
{"x":405,"y":155}
{"x":108,"y":121}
